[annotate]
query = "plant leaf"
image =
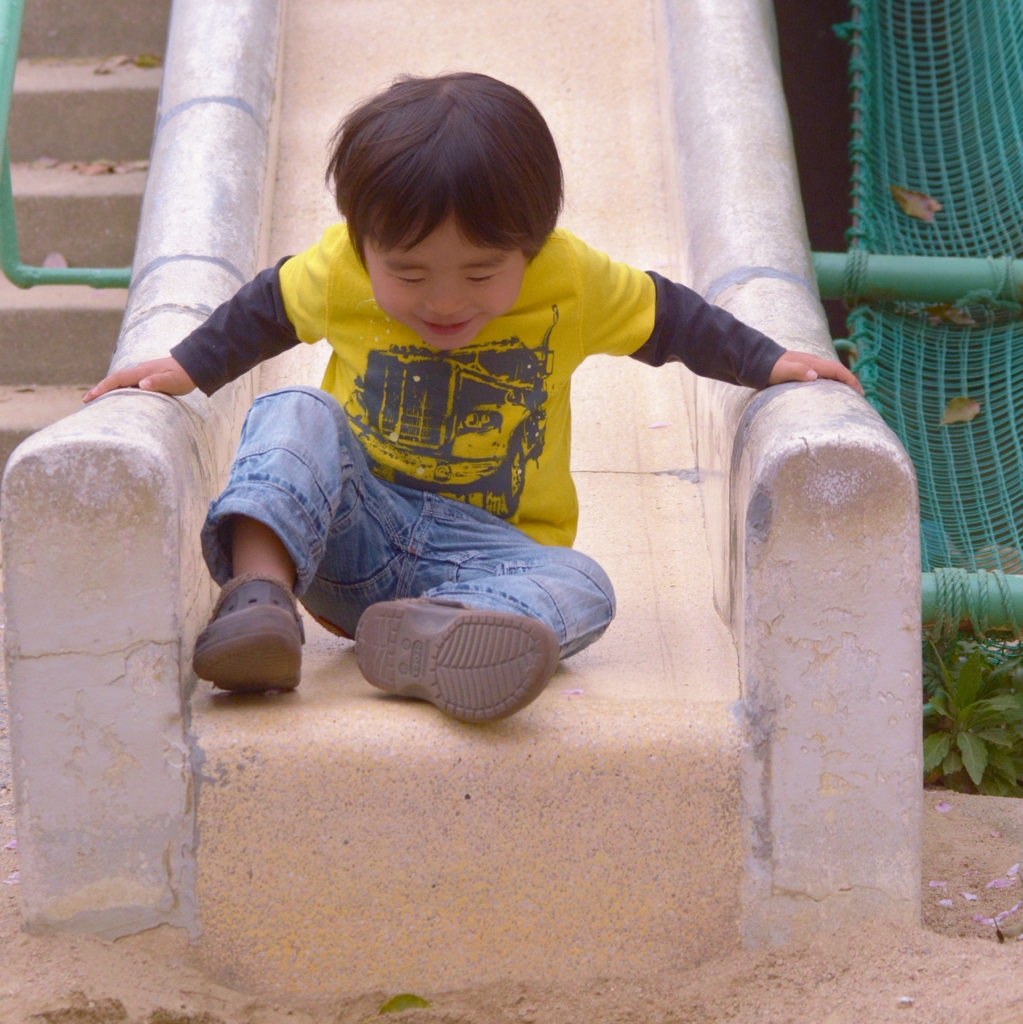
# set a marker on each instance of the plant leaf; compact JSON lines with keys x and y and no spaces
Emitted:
{"x":974,"y":753}
{"x":952,"y":764}
{"x":999,"y":737}
{"x":938,"y":703}
{"x":936,"y":749}
{"x":968,"y":682}
{"x":960,"y":410}
{"x":916,"y":204}
{"x":1003,"y":764}
{"x":404,"y":1001}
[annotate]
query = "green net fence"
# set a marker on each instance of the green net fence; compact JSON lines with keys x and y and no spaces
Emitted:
{"x":938,"y":109}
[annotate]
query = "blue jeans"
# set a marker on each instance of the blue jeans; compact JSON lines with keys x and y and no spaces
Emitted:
{"x":356,"y":539}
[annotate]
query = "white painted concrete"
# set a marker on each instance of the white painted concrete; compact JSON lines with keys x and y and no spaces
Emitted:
{"x":809,"y":502}
{"x":811,"y":513}
{"x":103,"y":579}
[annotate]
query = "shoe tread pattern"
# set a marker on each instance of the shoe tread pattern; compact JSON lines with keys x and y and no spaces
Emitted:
{"x":483,"y":666}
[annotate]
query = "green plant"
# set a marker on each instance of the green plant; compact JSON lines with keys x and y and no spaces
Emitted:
{"x":973,"y":716}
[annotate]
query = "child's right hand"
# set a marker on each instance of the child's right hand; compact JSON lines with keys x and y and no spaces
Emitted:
{"x":165,"y":375}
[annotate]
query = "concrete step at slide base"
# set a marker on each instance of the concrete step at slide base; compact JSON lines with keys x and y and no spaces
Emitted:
{"x":353,"y":841}
{"x":24,"y":410}
{"x":91,"y":220}
{"x":70,"y":28}
{"x":65,"y":110}
{"x":58,"y":334}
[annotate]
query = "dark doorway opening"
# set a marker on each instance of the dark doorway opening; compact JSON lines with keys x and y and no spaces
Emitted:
{"x":814,"y":64}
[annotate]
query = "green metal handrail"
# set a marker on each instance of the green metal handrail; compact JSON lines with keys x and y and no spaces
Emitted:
{"x":15,"y":271}
{"x":981,"y":600}
{"x":885,"y":278}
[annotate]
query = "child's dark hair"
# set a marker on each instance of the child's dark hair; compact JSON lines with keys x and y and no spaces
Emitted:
{"x":461,"y":144}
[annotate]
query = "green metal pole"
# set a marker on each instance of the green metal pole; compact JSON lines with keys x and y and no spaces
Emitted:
{"x":10,"y":259}
{"x":981,"y":589}
{"x":917,"y":278}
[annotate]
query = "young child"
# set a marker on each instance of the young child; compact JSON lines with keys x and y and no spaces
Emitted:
{"x":420,"y":501}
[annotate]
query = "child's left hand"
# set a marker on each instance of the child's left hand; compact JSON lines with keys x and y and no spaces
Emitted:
{"x":801,"y":366}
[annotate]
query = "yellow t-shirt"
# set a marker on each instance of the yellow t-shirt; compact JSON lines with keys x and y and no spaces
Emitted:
{"x":489,"y":423}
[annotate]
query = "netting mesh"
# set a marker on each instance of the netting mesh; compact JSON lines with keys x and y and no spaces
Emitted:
{"x":938,"y":108}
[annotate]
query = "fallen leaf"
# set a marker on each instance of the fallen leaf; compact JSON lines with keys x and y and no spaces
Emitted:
{"x":999,"y":883}
{"x":937,"y":885}
{"x":44,"y":163}
{"x":54,"y":260}
{"x":1009,"y":931}
{"x":967,"y":895}
{"x":916,"y":204}
{"x":996,"y":835}
{"x":966,"y":874}
{"x":571,"y":693}
{"x":1013,"y":871}
{"x":946,"y":313}
{"x":95,"y":167}
{"x":12,"y":878}
{"x":944,"y":903}
{"x":12,"y":845}
{"x":404,"y":1001}
{"x":943,"y":808}
{"x":960,"y":410}
{"x":905,"y":1001}
{"x":659,"y":426}
{"x":148,"y":60}
{"x":108,"y":66}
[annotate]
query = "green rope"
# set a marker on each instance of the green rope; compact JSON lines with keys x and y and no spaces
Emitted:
{"x":937,"y":108}
{"x":957,"y":602}
{"x":854,"y":283}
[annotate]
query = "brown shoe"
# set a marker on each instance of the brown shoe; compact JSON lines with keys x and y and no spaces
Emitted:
{"x":475,"y":665}
{"x":254,"y":638}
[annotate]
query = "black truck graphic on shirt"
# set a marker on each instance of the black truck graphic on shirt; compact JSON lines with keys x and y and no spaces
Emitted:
{"x":463,"y":423}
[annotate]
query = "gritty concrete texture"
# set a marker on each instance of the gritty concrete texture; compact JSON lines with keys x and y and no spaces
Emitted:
{"x":103,"y":580}
{"x":409,"y":846}
{"x":91,"y":220}
{"x":772,"y":781}
{"x":99,"y":28}
{"x":62,"y":334}
{"x":598,"y":811}
{"x":24,"y":410}
{"x":64,"y":109}
{"x":811,"y":512}
{"x":338,"y":852}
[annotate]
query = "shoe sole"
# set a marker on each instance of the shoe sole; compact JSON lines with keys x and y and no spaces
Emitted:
{"x":474,"y":665}
{"x":250,"y":651}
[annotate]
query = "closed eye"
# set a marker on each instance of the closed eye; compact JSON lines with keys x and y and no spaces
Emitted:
{"x":481,"y":280}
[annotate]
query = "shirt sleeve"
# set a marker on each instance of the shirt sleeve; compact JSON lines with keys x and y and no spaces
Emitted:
{"x":305,"y":284}
{"x":708,"y":339}
{"x":618,"y":303}
{"x":248,"y":329}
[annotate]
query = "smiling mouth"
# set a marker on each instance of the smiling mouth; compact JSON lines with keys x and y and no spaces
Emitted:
{"x":448,"y":329}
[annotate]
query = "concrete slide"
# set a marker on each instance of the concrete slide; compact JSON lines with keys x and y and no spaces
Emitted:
{"x":737,"y":760}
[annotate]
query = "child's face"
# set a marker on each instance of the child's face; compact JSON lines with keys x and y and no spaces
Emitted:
{"x":445,"y":288}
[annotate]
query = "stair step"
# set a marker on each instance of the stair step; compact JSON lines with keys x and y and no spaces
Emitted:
{"x":24,"y":410}
{"x":91,"y":220}
{"x":58,"y":334}
{"x":71,"y":28}
{"x":63,"y":109}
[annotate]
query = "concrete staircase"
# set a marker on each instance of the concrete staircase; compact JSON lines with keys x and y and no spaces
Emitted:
{"x":81,"y":122}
